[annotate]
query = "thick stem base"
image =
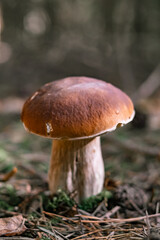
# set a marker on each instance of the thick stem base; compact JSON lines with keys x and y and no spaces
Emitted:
{"x":77,"y":166}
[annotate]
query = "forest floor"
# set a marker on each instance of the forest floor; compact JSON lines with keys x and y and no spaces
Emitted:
{"x":127,"y":208}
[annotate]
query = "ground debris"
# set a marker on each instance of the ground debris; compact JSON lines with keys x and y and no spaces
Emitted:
{"x":132,"y":198}
{"x":153,"y":234}
{"x":132,"y":186}
{"x":12,"y":226}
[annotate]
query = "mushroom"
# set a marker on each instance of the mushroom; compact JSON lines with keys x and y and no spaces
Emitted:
{"x":74,"y":112}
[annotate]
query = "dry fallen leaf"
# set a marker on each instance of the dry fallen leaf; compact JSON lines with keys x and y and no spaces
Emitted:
{"x":12,"y":225}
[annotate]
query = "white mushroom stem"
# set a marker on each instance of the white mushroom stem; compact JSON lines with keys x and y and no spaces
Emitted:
{"x":77,"y":166}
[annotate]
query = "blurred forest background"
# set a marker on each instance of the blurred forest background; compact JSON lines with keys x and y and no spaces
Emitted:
{"x":117,"y":41}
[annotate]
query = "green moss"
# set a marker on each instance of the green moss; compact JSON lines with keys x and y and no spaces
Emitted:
{"x":60,"y":199}
{"x":51,"y":204}
{"x":92,"y":202}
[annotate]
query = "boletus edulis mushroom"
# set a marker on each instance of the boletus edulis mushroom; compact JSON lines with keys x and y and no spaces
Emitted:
{"x":74,"y":112}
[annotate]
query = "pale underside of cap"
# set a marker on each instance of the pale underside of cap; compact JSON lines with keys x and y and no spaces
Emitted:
{"x":76,"y":108}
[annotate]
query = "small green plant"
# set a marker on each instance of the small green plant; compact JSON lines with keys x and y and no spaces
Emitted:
{"x":92,"y":202}
{"x":58,"y":200}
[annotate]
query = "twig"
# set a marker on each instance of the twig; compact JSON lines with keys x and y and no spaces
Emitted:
{"x":91,"y":224}
{"x":147,"y":223}
{"x":62,"y":218}
{"x":101,"y":230}
{"x":135,"y":206}
{"x":57,"y":215}
{"x":84,"y":212}
{"x":89,"y":217}
{"x":10,"y":174}
{"x":60,"y":234}
{"x":7,"y":212}
{"x":16,"y":238}
{"x":120,"y":220}
{"x":98,"y":208}
{"x":80,"y":223}
{"x":111,"y":212}
{"x":51,"y":233}
{"x":41,"y":207}
{"x":90,"y":233}
{"x":157,"y":211}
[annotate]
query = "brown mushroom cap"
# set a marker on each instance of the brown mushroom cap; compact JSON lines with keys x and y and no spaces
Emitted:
{"x":76,"y":108}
